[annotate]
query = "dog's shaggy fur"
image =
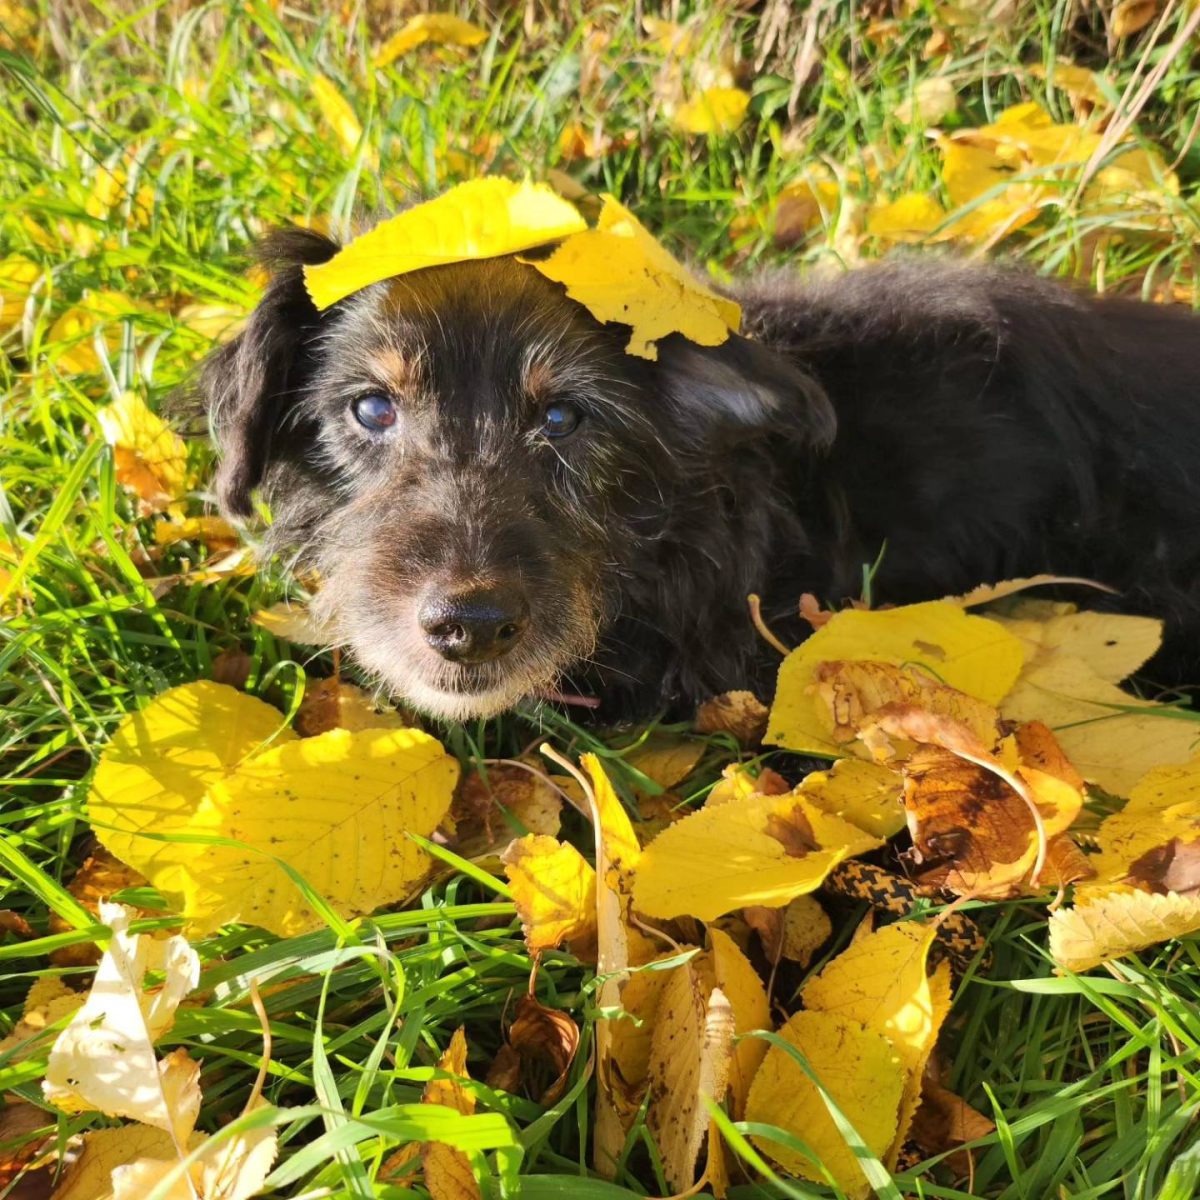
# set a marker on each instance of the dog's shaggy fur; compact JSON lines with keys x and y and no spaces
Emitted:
{"x":978,"y":423}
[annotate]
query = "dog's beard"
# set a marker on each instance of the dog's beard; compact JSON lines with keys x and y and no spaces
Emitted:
{"x":378,"y":626}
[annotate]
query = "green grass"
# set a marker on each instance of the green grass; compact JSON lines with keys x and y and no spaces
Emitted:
{"x":1092,"y":1081}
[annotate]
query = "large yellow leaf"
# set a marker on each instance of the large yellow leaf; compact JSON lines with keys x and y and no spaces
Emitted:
{"x":151,"y":458}
{"x":1110,"y":924}
{"x":881,"y":981}
{"x":1108,"y":746}
{"x":911,"y":217}
{"x":1112,"y":644}
{"x":336,"y":808}
{"x":443,"y":29}
{"x":104,"y":1059}
{"x":864,"y":1076}
{"x":714,"y":110}
{"x":160,"y":762}
{"x":764,"y":851}
{"x":618,"y":272}
{"x":554,"y":889}
{"x":483,"y":218}
{"x":972,"y":654}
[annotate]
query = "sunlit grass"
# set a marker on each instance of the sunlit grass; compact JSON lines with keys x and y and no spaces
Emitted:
{"x":143,"y":150}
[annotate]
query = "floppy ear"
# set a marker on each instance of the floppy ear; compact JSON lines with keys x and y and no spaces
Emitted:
{"x":247,"y":384}
{"x":741,"y":385}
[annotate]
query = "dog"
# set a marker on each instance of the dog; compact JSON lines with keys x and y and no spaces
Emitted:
{"x":502,"y":504}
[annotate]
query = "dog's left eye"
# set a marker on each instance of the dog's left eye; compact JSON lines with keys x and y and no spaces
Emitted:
{"x":559,"y":420}
{"x":374,"y":411}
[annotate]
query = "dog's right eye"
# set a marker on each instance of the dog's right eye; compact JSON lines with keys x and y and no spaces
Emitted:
{"x":374,"y":411}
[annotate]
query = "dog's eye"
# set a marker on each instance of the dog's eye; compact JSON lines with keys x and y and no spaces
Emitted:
{"x":374,"y":411}
{"x":559,"y":420}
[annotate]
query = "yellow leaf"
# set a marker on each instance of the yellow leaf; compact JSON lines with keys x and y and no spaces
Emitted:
{"x":554,"y":889}
{"x":863,"y":1074}
{"x":1150,"y":843}
{"x":908,"y":218}
{"x":1108,"y":746}
{"x":866,"y":794}
{"x":337,"y":113}
{"x":1078,"y":82}
{"x":483,"y":218}
{"x":666,"y":761}
{"x":448,"y":1174}
{"x":806,"y":926}
{"x":970,"y":173}
{"x":1113,"y":645}
{"x":1132,"y":16}
{"x":985,"y":593}
{"x":1111,"y":924}
{"x":333,"y":704}
{"x":804,"y":204}
{"x":71,"y":342}
{"x":214,"y":532}
{"x":151,"y":459}
{"x":618,"y":272}
{"x":161,"y":761}
{"x":442,"y":29}
{"x":294,"y":622}
{"x":17,"y":278}
{"x":668,"y":37}
{"x":103,"y":1151}
{"x":48,"y":1001}
{"x":216,"y":322}
{"x":733,"y":973}
{"x":762,"y":852}
{"x":335,"y":808}
{"x":881,"y":982}
{"x":931,"y":101}
{"x":969,"y":653}
{"x":740,"y":714}
{"x":715,"y":110}
{"x":104,"y":1060}
{"x":691,"y":1054}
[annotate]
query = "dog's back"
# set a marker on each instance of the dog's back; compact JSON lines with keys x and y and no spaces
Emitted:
{"x":991,"y":424}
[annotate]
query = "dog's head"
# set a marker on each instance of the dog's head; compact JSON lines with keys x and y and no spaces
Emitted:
{"x":471,"y":462}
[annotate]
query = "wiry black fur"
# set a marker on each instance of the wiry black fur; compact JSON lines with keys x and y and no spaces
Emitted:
{"x":981,"y":423}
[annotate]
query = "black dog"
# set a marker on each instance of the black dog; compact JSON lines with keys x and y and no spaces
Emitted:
{"x":502,"y":503}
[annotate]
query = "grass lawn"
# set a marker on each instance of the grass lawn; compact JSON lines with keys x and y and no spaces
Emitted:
{"x":145,"y":146}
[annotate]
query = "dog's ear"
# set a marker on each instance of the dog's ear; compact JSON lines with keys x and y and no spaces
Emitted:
{"x":741,"y":385}
{"x":246,"y":384}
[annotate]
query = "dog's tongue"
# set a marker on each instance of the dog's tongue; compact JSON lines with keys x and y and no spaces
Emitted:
{"x":570,"y":698}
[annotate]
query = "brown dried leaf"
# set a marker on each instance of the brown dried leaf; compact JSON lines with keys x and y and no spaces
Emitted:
{"x":545,"y":1041}
{"x":1132,"y":16}
{"x":101,"y":877}
{"x":740,"y":714}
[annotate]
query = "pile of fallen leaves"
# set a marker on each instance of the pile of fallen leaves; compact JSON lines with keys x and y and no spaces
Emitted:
{"x":946,"y":773}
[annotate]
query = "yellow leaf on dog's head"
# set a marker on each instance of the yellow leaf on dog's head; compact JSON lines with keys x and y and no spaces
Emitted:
{"x":863,"y":1073}
{"x":715,"y":110}
{"x":554,"y":888}
{"x":335,"y":808}
{"x":483,"y":218}
{"x":1106,"y":925}
{"x":443,"y":29}
{"x":151,"y":458}
{"x":973,"y":654}
{"x":763,"y":851}
{"x":618,"y":272}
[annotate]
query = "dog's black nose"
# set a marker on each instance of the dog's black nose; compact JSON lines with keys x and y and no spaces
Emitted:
{"x":474,"y":627}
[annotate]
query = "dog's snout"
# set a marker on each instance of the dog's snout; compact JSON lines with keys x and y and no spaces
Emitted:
{"x":475,"y":626}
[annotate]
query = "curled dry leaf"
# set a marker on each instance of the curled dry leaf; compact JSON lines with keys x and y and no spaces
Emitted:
{"x":104,"y":1060}
{"x":294,"y":623}
{"x":333,"y":704}
{"x":618,"y":272}
{"x":100,"y":877}
{"x":740,"y":714}
{"x":764,"y":851}
{"x":1132,"y":16}
{"x":545,"y":1041}
{"x":738,"y":783}
{"x":336,"y":808}
{"x":508,"y":802}
{"x":554,"y":889}
{"x":151,"y":458}
{"x":863,"y":1074}
{"x":48,"y":1001}
{"x":971,"y":654}
{"x":25,"y":1130}
{"x":944,"y":1122}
